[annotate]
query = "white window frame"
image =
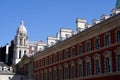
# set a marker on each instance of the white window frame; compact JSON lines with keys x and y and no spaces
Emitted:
{"x":108,"y":54}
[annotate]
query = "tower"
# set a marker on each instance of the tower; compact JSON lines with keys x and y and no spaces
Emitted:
{"x":118,"y":4}
{"x":20,"y":43}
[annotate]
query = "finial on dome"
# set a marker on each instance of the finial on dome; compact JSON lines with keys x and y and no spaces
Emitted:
{"x":22,"y":22}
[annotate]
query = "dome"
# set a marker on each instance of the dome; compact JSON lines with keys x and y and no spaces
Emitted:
{"x":21,"y":28}
{"x":118,"y":4}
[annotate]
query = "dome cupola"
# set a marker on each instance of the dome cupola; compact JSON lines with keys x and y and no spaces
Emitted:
{"x":21,"y":28}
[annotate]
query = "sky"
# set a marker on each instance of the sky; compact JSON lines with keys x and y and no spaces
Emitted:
{"x":44,"y":18}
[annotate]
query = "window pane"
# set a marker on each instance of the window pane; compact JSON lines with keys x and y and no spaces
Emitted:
{"x":108,"y":65}
{"x":88,"y":69}
{"x":80,"y":72}
{"x":80,"y":50}
{"x":97,"y":43}
{"x":73,"y":52}
{"x":118,"y":62}
{"x":107,"y":40}
{"x":97,"y":66}
{"x":88,"y":47}
{"x":72,"y":71}
{"x":118,"y":36}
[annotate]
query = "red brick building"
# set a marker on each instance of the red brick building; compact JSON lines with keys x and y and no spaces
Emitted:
{"x":93,"y":54}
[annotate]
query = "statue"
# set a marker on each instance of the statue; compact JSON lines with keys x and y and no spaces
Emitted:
{"x":118,"y":4}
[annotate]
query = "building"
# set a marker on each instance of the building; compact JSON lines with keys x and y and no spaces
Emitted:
{"x":23,"y":46}
{"x":91,"y":53}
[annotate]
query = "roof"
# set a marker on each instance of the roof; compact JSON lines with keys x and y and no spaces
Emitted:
{"x":22,"y":28}
{"x":2,"y":64}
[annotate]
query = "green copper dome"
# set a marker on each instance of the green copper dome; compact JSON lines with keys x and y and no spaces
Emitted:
{"x":118,"y":4}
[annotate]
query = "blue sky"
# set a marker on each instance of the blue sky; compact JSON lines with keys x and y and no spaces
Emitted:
{"x":44,"y":18}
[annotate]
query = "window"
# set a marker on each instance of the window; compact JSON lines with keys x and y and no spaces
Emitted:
{"x":50,"y":75}
{"x":66,"y":54}
{"x":55,"y":74}
{"x":97,"y":43}
{"x":55,"y":58}
{"x":88,"y":47}
{"x":60,"y":74}
{"x":46,"y":75}
{"x":73,"y":52}
{"x":80,"y":71}
{"x":88,"y":68}
{"x":46,"y":61}
{"x":20,"y":54}
{"x":118,"y":36}
{"x":24,"y":51}
{"x":118,"y":62}
{"x":20,"y":41}
{"x":108,"y":64}
{"x":107,"y":40}
{"x":72,"y":71}
{"x":24,"y":41}
{"x":42,"y":76}
{"x":66,"y":73}
{"x":80,"y":50}
{"x":60,"y":56}
{"x":97,"y":66}
{"x":50,"y":60}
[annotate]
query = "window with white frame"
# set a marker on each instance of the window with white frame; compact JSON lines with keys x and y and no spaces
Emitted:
{"x":60,"y":74}
{"x":66,"y":73}
{"x":66,"y":54}
{"x":88,"y":46}
{"x":80,"y":49}
{"x":55,"y":58}
{"x":108,"y":61}
{"x":46,"y":61}
{"x":42,"y":76}
{"x":108,"y":64}
{"x":72,"y":71}
{"x":80,"y":70}
{"x":60,"y":56}
{"x":88,"y":68}
{"x":50,"y":60}
{"x":55,"y":74}
{"x":107,"y":40}
{"x":39,"y":75}
{"x":118,"y":62}
{"x":97,"y":43}
{"x":118,"y":36}
{"x":20,"y":54}
{"x":97,"y":63}
{"x":50,"y":75}
{"x":97,"y":67}
{"x":73,"y":52}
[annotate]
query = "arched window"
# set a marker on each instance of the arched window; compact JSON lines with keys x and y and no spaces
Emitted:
{"x":73,"y":52}
{"x":80,"y":49}
{"x":97,"y":64}
{"x":60,"y":73}
{"x":66,"y":71}
{"x":19,"y":54}
{"x":80,"y":68}
{"x":108,"y":61}
{"x":88,"y":66}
